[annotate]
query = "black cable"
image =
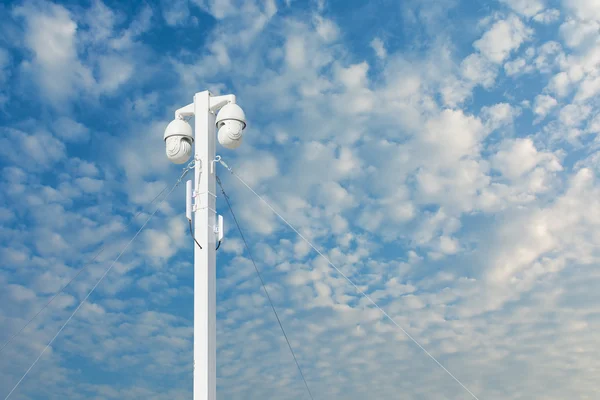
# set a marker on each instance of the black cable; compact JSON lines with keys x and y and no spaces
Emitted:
{"x":263,"y":285}
{"x":192,"y":233}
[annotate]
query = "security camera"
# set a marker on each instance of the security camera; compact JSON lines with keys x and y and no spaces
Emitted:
{"x":231,"y":122}
{"x":178,"y":141}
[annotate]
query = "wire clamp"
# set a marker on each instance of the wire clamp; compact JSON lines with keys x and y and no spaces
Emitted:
{"x":185,"y":171}
{"x":220,"y":161}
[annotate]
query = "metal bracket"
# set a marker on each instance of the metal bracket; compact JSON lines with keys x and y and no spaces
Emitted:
{"x":212,"y":164}
{"x":187,"y":111}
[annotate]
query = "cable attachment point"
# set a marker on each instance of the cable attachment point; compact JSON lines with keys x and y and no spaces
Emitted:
{"x":220,"y":161}
{"x":185,"y":171}
{"x":193,"y":236}
{"x":212,"y":164}
{"x":191,"y":164}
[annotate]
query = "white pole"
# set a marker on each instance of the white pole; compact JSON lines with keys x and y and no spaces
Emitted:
{"x":205,"y":354}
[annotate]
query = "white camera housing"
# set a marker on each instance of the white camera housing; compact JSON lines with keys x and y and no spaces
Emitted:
{"x":231,"y":122}
{"x":178,"y":141}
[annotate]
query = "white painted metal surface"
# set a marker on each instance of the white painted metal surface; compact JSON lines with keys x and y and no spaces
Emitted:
{"x":205,"y":283}
{"x":207,"y":228}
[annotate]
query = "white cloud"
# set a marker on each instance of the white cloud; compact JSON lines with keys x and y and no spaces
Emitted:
{"x":393,"y":194}
{"x":353,"y":77}
{"x":261,"y":168}
{"x":502,"y":38}
{"x":452,"y":135}
{"x":559,"y":226}
{"x":481,"y":68}
{"x":594,"y":124}
{"x":114,"y":71}
{"x":560,"y":84}
{"x":175,"y":12}
{"x":520,"y":156}
{"x":583,"y":9}
{"x":220,"y":51}
{"x":379,"y":48}
{"x":90,"y":185}
{"x":233,"y":245}
{"x":547,"y":16}
{"x":70,"y":130}
{"x":455,"y":188}
{"x":101,"y":21}
{"x":326,"y":29}
{"x":448,"y":245}
{"x":543,"y":104}
{"x":549,"y":55}
{"x":499,"y":115}
{"x":51,"y":36}
{"x":50,"y":243}
{"x":81,"y":56}
{"x":455,"y":92}
{"x":217,"y":8}
{"x":576,"y":33}
{"x":478,"y":70}
{"x":158,"y":244}
{"x":295,"y":52}
{"x":527,"y":8}
{"x":39,"y":150}
{"x":573,"y":115}
{"x":21,"y":293}
{"x":588,"y":88}
{"x":517,"y":66}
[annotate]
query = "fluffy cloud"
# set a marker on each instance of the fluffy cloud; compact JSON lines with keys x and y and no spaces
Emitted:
{"x":70,"y":130}
{"x":584,"y":9}
{"x":527,"y":8}
{"x":70,"y":56}
{"x":547,"y":16}
{"x":520,"y":156}
{"x":379,"y":48}
{"x":502,"y":38}
{"x":543,"y":104}
{"x":51,"y":36}
{"x":34,"y":151}
{"x":452,"y":177}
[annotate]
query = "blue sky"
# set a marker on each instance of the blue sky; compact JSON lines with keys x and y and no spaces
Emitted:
{"x":443,"y":154}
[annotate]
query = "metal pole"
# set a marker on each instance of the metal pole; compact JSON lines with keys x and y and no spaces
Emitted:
{"x":205,"y":368}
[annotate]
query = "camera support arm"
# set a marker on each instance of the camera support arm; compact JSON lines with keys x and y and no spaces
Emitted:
{"x":216,"y":103}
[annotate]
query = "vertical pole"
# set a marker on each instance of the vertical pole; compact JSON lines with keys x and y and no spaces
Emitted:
{"x":205,"y":367}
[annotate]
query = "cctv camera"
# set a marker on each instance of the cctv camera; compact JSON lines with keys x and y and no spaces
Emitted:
{"x":178,"y":141}
{"x":231,"y":122}
{"x":230,"y":134}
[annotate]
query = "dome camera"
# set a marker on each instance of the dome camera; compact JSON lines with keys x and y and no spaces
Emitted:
{"x":231,"y":122}
{"x":178,"y":141}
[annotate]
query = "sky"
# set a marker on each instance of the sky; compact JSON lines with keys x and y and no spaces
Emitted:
{"x":443,"y":154}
